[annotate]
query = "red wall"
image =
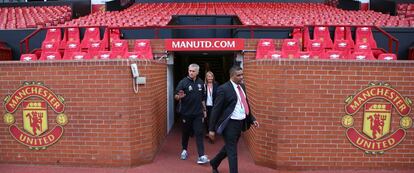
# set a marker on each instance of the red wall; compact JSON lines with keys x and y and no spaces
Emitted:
{"x":300,"y":103}
{"x":109,"y":125}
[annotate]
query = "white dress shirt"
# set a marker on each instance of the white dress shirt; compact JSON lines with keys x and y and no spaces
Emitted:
{"x":238,"y":113}
{"x":209,"y":101}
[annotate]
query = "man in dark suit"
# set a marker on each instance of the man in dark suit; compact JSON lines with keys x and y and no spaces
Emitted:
{"x":230,"y":116}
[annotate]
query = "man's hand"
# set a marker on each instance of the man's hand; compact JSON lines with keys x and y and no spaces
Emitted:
{"x":180,"y":95}
{"x":256,"y":124}
{"x":211,"y":135}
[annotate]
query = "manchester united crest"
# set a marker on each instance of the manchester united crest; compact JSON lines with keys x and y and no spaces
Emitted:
{"x":33,"y":100}
{"x":375,"y":105}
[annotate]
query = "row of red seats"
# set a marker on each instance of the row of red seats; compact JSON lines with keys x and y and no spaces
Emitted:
{"x":32,"y":17}
{"x":322,"y":33}
{"x":406,"y":10}
{"x":288,"y":14}
{"x":343,"y":41}
{"x":118,"y":50}
{"x":92,"y":34}
{"x":291,"y":49}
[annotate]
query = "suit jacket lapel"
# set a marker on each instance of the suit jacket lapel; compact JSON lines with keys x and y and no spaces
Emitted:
{"x":231,"y":88}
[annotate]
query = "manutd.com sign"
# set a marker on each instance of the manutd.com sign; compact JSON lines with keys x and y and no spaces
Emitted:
{"x":204,"y":44}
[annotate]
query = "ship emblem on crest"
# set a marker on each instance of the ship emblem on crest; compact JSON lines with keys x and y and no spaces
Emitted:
{"x":32,"y":100}
{"x":377,"y":102}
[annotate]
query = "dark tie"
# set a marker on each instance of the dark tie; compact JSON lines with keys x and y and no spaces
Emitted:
{"x":243,"y":100}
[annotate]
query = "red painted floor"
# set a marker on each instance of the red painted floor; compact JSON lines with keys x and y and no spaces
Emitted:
{"x":167,"y":161}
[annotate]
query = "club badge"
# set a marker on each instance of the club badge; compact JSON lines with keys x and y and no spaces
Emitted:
{"x":377,"y":102}
{"x":32,"y":129}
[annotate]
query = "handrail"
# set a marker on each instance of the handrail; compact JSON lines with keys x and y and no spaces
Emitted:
{"x":26,"y":40}
{"x":390,"y":40}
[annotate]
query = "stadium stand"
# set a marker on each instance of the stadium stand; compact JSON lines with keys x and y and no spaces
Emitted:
{"x":406,"y":11}
{"x":159,"y":14}
{"x":319,"y":19}
{"x":33,"y":17}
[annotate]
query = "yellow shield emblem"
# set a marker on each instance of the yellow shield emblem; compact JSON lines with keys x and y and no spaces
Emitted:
{"x":377,"y":120}
{"x":35,"y":117}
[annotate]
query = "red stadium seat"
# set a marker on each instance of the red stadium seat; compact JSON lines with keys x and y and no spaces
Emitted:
{"x":114,"y":34}
{"x":264,"y":46}
{"x":143,"y":47}
{"x":53,"y":35}
{"x":362,"y":56}
{"x":28,"y":57}
{"x":304,"y":55}
{"x":104,"y":55}
{"x":290,"y":48}
{"x":302,"y":37}
{"x":316,"y":48}
{"x":70,"y":34}
{"x":274,"y":54}
{"x":91,"y":35}
{"x":118,"y":49}
{"x":50,"y":56}
{"x":80,"y":56}
{"x":94,"y":48}
{"x":364,"y":35}
{"x":343,"y":33}
{"x":334,"y":55}
{"x":50,"y":46}
{"x":387,"y":56}
{"x":344,"y":46}
{"x":363,"y":47}
{"x":132,"y":55}
{"x":71,"y":46}
{"x":322,"y":33}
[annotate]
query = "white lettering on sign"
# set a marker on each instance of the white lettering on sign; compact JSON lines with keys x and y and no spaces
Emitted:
{"x":202,"y":44}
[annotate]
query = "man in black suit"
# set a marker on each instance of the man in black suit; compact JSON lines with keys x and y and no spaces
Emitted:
{"x":230,"y":116}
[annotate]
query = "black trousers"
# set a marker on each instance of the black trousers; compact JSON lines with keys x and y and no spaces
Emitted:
{"x":231,"y":135}
{"x":195,"y":125}
{"x":206,"y":120}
